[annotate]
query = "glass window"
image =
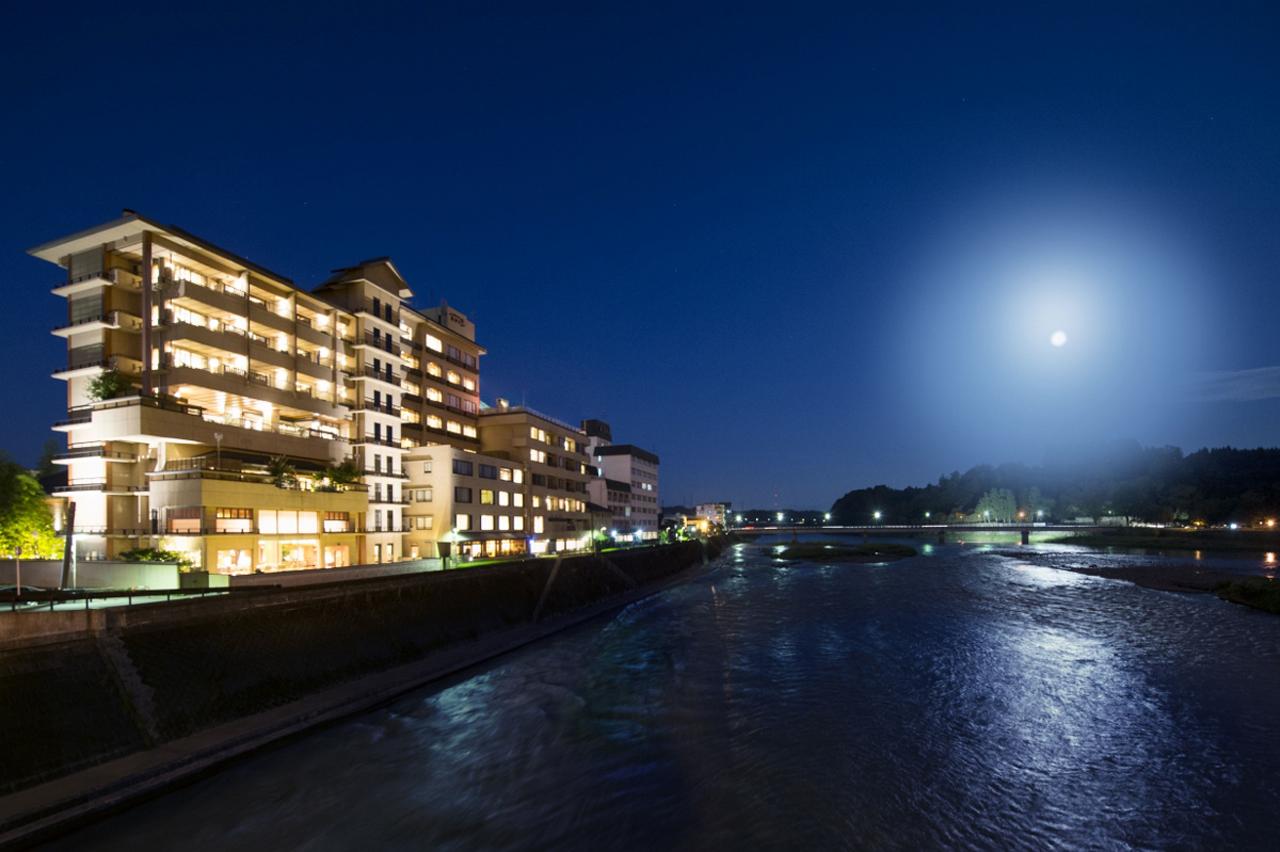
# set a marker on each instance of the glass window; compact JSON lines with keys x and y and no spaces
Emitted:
{"x":486,"y":497}
{"x":461,"y":495}
{"x":517,"y":499}
{"x":504,"y":522}
{"x":486,"y":522}
{"x":517,"y":523}
{"x":462,"y":521}
{"x":504,"y":498}
{"x":426,"y":466}
{"x":517,"y":476}
{"x":462,"y":468}
{"x":537,"y":524}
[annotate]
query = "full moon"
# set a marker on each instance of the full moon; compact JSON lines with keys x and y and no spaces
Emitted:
{"x":1058,"y":338}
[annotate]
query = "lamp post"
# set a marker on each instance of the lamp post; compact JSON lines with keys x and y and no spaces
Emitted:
{"x":17,"y":571}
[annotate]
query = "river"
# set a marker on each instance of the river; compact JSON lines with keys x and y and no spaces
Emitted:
{"x":965,"y":697}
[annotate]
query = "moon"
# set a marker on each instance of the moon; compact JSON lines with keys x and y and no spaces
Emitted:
{"x":1058,"y":339}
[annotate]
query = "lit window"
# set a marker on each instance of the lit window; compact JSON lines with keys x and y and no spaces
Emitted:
{"x":504,"y":499}
{"x":469,"y":431}
{"x":486,"y":497}
{"x":462,"y":521}
{"x":517,"y":476}
{"x":486,"y":522}
{"x":517,"y":500}
{"x":517,"y":523}
{"x":452,"y":377}
{"x":469,"y":384}
{"x":504,"y":523}
{"x":433,"y":369}
{"x":537,"y":524}
{"x":453,"y":426}
{"x":434,"y":343}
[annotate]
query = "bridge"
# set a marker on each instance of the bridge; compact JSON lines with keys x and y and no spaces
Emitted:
{"x":940,"y":530}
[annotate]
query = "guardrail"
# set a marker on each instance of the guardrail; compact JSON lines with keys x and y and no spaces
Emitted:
{"x":36,"y":600}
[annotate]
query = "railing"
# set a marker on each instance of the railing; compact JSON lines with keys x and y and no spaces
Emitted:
{"x":93,"y":451}
{"x":371,"y":373}
{"x":370,"y":439}
{"x":83,"y":413}
{"x":33,"y":600}
{"x":367,"y":307}
{"x":96,"y":485}
{"x":397,"y":474}
{"x":384,"y":407}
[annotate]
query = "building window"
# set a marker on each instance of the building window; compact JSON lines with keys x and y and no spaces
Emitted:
{"x":184,"y":519}
{"x":424,"y":522}
{"x":537,"y":524}
{"x":517,"y":499}
{"x":426,"y":466}
{"x":424,"y":495}
{"x":469,"y":431}
{"x":517,"y":476}
{"x":462,"y":521}
{"x":453,"y":426}
{"x":337,"y":522}
{"x":461,"y":494}
{"x":486,"y":522}
{"x":462,"y":468}
{"x":517,"y":523}
{"x":504,"y":523}
{"x":488,"y":471}
{"x":434,"y":343}
{"x":505,"y":474}
{"x":504,"y":498}
{"x":233,"y":520}
{"x":486,"y":497}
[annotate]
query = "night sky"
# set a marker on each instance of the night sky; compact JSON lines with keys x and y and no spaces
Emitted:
{"x":792,"y":253}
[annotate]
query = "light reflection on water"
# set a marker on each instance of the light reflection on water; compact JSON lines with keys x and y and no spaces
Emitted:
{"x":961,"y":699}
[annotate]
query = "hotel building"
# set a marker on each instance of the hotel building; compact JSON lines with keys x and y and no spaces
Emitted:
{"x":240,"y":395}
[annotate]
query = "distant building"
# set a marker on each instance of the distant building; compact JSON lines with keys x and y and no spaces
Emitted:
{"x":626,"y":484}
{"x":716,"y":513}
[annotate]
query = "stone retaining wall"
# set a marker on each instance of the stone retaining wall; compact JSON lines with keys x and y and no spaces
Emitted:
{"x":139,"y":676}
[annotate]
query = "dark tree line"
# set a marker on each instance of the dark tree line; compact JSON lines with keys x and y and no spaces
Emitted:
{"x":1153,"y":484}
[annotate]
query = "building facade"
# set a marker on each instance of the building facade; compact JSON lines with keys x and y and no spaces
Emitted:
{"x":626,"y":484}
{"x":217,"y":409}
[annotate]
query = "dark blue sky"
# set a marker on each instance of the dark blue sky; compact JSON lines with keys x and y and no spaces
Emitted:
{"x":794,"y":252}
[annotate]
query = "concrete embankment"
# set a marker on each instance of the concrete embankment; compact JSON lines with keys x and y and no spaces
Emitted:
{"x":141,"y":698}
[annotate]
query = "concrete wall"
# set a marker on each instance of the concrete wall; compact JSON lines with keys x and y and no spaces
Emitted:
{"x":200,"y":663}
{"x":95,"y":574}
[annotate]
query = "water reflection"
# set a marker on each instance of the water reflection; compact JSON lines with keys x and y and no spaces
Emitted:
{"x":966,"y":699}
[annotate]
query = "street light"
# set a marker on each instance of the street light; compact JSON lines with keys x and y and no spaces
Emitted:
{"x":781,"y":517}
{"x":928,"y":515}
{"x":826,"y":516}
{"x":876,"y":514}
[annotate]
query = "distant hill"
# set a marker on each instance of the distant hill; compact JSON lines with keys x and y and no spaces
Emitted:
{"x":1152,"y":484}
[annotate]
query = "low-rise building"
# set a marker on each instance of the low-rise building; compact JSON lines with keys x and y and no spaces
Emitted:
{"x":477,"y":502}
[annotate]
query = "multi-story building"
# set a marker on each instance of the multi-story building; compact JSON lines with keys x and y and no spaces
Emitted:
{"x":479,"y":503}
{"x":557,"y":472}
{"x":716,"y":513}
{"x":212,"y":402}
{"x":627,"y":482}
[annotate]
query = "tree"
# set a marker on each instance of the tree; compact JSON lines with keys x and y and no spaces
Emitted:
{"x":997,"y":505}
{"x":282,"y":472}
{"x":25,"y":519}
{"x":109,"y":384}
{"x":46,"y":467}
{"x":341,"y":475}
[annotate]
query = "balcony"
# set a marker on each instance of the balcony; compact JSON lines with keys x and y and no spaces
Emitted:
{"x":370,"y":373}
{"x":94,"y":280}
{"x":101,"y":486}
{"x":383,"y":407}
{"x":92,"y":452}
{"x":367,"y":309}
{"x":139,"y":419}
{"x":381,"y":442}
{"x":394,"y":474}
{"x":100,"y":322}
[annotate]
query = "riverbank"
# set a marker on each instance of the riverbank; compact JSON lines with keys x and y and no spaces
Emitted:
{"x":1146,"y":538}
{"x":175,"y":690}
{"x":1262,"y":593}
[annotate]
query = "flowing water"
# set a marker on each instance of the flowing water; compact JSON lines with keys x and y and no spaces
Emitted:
{"x":963,"y":698}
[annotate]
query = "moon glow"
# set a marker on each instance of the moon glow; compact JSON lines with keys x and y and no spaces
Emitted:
{"x":1058,"y":339}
